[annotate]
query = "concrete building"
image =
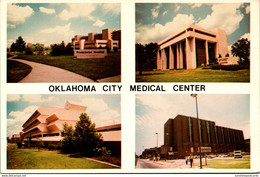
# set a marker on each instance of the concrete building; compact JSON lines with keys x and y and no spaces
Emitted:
{"x":191,"y":47}
{"x":110,"y":38}
{"x":46,"y":123}
{"x":181,"y":134}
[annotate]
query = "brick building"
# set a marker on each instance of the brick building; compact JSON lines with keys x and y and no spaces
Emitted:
{"x":181,"y":134}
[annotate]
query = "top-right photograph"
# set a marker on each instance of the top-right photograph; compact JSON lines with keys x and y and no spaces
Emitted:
{"x":185,"y":42}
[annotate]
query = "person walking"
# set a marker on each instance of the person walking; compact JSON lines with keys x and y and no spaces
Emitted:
{"x":191,"y":160}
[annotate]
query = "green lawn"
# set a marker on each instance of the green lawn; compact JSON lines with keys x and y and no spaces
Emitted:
{"x":243,"y":163}
{"x":34,"y":159}
{"x":94,"y":69}
{"x":16,"y":71}
{"x":194,"y":75}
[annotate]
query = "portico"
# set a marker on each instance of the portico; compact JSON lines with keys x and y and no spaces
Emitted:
{"x":191,"y":48}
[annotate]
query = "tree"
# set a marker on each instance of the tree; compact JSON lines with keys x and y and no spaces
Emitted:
{"x":151,"y":54}
{"x":88,"y":141}
{"x":13,"y":47}
{"x":241,"y":49}
{"x":69,"y":49}
{"x":139,"y":56}
{"x":39,"y":48}
{"x":20,"y":44}
{"x":69,"y":140}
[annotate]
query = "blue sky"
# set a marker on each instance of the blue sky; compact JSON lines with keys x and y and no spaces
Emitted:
{"x":103,"y":109}
{"x":55,"y":22}
{"x":155,"y":22}
{"x":152,"y":111}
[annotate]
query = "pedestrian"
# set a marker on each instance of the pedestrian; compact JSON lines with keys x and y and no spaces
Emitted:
{"x":191,"y":160}
{"x":158,"y":157}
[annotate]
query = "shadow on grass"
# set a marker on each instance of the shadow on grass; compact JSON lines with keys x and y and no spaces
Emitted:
{"x":148,"y":74}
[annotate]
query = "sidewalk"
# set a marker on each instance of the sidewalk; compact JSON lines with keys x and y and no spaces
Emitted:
{"x":49,"y":74}
{"x":111,"y":79}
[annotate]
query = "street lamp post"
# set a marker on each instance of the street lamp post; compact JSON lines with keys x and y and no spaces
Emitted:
{"x":157,"y":144}
{"x":195,"y":96}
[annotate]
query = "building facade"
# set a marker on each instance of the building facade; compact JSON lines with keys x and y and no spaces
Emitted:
{"x":46,"y":123}
{"x":109,"y":38}
{"x":191,"y":47}
{"x":181,"y":134}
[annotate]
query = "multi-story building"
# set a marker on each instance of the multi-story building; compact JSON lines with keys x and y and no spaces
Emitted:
{"x":181,"y":135}
{"x":110,"y":38}
{"x":46,"y":123}
{"x":191,"y":47}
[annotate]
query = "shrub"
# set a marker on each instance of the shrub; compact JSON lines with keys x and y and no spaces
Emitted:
{"x":54,"y":146}
{"x":19,"y":144}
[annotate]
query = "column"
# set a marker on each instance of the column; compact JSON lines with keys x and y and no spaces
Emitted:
{"x":171,"y":57}
{"x":163,"y":60}
{"x":181,"y":56}
{"x":194,"y":58}
{"x":207,"y":52}
{"x":159,"y":61}
{"x":178,"y":56}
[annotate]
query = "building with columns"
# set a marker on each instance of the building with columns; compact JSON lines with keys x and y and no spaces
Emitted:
{"x":191,"y":47}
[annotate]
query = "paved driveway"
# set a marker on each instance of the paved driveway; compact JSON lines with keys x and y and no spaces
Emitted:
{"x":46,"y":73}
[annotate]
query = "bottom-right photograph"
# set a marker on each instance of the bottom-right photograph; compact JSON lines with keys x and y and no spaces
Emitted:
{"x":192,"y":131}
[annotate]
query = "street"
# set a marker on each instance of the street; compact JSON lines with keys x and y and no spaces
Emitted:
{"x":175,"y":164}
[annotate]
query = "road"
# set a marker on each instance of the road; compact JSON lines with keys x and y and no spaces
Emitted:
{"x":170,"y":164}
{"x":141,"y":163}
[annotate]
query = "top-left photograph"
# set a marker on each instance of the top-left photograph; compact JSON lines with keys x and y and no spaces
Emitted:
{"x":63,"y":43}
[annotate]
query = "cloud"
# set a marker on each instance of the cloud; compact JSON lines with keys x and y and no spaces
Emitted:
{"x":11,"y":26}
{"x":177,"y":7}
{"x":224,"y":16}
{"x":247,"y":9}
{"x":164,"y":13}
{"x":103,"y":114}
{"x":195,"y":5}
{"x":16,"y":119}
{"x":99,"y":23}
{"x":155,"y":12}
{"x":78,"y":10}
{"x":57,"y":29}
{"x":13,"y":97}
{"x":157,"y":32}
{"x":47,"y":11}
{"x":17,"y":14}
{"x":37,"y":98}
{"x":246,"y":36}
{"x":114,"y":8}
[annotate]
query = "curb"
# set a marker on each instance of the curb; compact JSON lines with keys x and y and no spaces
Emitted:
{"x":113,"y":165}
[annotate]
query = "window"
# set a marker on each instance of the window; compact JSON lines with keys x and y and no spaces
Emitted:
{"x":190,"y":130}
{"x":209,"y":132}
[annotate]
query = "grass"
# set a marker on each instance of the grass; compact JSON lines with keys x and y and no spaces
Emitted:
{"x":243,"y":163}
{"x":34,"y":159}
{"x":94,"y":69}
{"x":16,"y":71}
{"x":194,"y":75}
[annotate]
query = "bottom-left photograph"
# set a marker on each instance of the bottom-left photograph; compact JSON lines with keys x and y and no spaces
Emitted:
{"x":63,"y":131}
